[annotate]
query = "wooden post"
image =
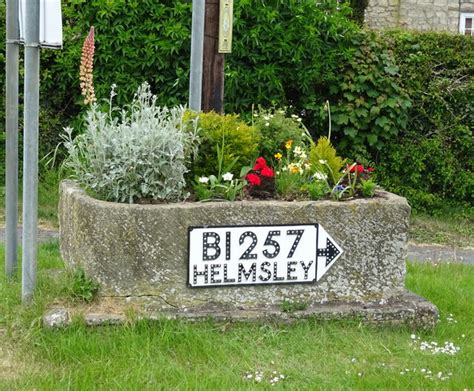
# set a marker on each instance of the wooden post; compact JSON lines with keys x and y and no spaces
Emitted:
{"x":213,"y":62}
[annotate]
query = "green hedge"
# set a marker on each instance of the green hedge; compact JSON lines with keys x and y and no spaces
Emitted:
{"x":432,"y":162}
{"x":302,"y":54}
{"x":397,"y":100}
{"x":290,"y":52}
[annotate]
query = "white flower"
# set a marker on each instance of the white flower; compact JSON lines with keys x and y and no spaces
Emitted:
{"x":266,"y":118}
{"x":323,"y":161}
{"x":298,"y":119}
{"x":267,"y":124}
{"x":320,"y":176}
{"x":298,"y":151}
{"x":227,"y":176}
{"x":203,"y":179}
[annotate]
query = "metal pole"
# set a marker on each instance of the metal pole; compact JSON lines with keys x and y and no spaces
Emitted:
{"x":197,"y":45}
{"x":30,"y":149}
{"x":11,"y":126}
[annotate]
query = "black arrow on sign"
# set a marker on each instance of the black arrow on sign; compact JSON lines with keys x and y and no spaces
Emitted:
{"x":330,"y":252}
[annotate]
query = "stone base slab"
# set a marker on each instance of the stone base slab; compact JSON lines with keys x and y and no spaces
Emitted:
{"x":407,"y":310}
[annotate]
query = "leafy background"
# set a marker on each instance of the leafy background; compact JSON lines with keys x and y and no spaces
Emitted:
{"x":399,"y":100}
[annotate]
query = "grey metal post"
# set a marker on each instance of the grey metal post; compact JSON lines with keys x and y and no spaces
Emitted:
{"x":11,"y":126}
{"x":197,"y":45}
{"x":30,"y":149}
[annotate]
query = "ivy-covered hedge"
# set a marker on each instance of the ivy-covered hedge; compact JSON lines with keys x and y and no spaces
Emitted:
{"x":289,"y":52}
{"x":395,"y":99}
{"x":432,"y":162}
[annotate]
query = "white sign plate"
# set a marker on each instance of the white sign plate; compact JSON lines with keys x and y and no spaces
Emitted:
{"x":260,"y":254}
{"x":51,"y":29}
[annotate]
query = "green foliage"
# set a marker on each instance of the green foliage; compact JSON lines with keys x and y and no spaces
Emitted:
{"x":141,"y":155}
{"x":428,"y":172}
{"x":82,"y":287}
{"x":277,"y":128}
{"x":371,"y":107}
{"x":136,"y":41}
{"x":323,"y":159}
{"x":296,"y":53}
{"x":285,"y":53}
{"x":293,"y":306}
{"x":222,"y":186}
{"x":316,"y":189}
{"x":293,"y":172}
{"x":288,"y":185}
{"x":241,"y":142}
{"x":367,"y":188}
{"x":432,"y":162}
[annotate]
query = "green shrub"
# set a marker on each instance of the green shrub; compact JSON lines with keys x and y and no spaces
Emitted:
{"x":240,"y":142}
{"x":277,"y":128}
{"x":314,"y":53}
{"x":324,"y":159}
{"x":432,"y":162}
{"x":296,"y":53}
{"x":428,"y":172}
{"x":285,"y":53}
{"x":141,"y":155}
{"x":370,"y":107}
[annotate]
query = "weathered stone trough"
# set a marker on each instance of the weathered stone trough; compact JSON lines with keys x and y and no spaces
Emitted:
{"x":142,"y":251}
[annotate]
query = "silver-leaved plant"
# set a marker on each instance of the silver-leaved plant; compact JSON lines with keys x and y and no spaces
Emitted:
{"x":136,"y":153}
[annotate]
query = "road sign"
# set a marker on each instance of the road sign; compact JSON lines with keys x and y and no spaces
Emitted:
{"x":50,"y":20}
{"x":259,"y":254}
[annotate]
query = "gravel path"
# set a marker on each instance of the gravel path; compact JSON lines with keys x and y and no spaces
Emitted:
{"x":416,"y":252}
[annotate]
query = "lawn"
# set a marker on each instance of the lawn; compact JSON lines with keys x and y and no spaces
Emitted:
{"x":167,"y":355}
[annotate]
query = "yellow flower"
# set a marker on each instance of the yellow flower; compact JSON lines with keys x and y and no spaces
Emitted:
{"x":293,"y":168}
{"x":278,"y":156}
{"x":288,"y":144}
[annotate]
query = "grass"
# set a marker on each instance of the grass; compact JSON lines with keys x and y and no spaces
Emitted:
{"x":164,"y":355}
{"x":48,"y":198}
{"x":450,"y":229}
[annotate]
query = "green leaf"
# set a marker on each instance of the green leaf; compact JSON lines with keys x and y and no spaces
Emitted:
{"x":351,"y":132}
{"x":374,"y":110}
{"x":391,"y":69}
{"x":382,"y":121}
{"x":372,"y":139}
{"x":341,"y":119}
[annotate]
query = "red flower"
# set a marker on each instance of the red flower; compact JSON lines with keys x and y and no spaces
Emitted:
{"x":357,"y":168}
{"x":253,"y":179}
{"x":267,"y":171}
{"x":370,"y":169}
{"x":261,"y":163}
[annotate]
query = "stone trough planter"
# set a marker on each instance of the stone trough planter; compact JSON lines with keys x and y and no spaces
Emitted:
{"x":141,"y":251}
